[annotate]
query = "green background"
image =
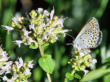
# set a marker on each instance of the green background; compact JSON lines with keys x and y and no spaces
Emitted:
{"x":76,"y":14}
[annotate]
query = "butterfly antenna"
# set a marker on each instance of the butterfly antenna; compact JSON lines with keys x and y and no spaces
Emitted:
{"x":70,"y":36}
{"x":69,"y":44}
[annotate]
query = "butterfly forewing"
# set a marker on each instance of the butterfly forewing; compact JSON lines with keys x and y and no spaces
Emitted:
{"x":89,"y":36}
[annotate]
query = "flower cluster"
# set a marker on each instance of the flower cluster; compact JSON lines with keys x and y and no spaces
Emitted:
{"x":5,"y":64}
{"x":80,"y":63}
{"x":39,"y":28}
{"x":19,"y":70}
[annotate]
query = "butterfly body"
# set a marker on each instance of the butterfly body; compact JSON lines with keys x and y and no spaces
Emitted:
{"x":89,"y":37}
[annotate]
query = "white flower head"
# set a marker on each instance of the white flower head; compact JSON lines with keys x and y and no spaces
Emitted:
{"x":30,"y":40}
{"x":47,"y":19}
{"x":26,"y":33}
{"x":4,"y":57}
{"x":85,"y":72}
{"x":31,"y":27}
{"x":64,"y":31}
{"x":43,"y":25}
{"x":2,"y":72}
{"x":16,"y":19}
{"x":7,"y":67}
{"x":52,"y":14}
{"x":15,"y":76}
{"x":45,"y":36}
{"x":60,"y":22}
{"x":56,"y":37}
{"x":5,"y":78}
{"x":51,"y":31}
{"x":18,"y":42}
{"x":8,"y":28}
{"x":46,"y":13}
{"x":93,"y":62}
{"x":30,"y":64}
{"x":27,"y":71}
{"x":19,"y":63}
{"x":40,"y":10}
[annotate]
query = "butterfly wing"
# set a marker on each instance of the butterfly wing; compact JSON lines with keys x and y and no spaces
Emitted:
{"x":89,"y":37}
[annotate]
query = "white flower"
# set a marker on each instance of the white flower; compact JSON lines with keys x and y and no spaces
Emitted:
{"x":93,"y":62}
{"x":19,"y":63}
{"x":27,"y":71}
{"x":56,"y":37}
{"x":26,"y":33}
{"x":15,"y":76}
{"x":51,"y":14}
{"x":60,"y":22}
{"x":42,"y":25}
{"x":85,"y":72}
{"x":2,"y":71}
{"x":63,"y":31}
{"x":18,"y":42}
{"x":16,"y":19}
{"x":81,"y":54}
{"x":7,"y":67}
{"x":30,"y":40}
{"x":40,"y":10}
{"x":30,"y":65}
{"x":8,"y":28}
{"x":51,"y":31}
{"x":5,"y":78}
{"x":31,"y":27}
{"x":45,"y":36}
{"x":46,"y":13}
{"x":47,"y":19}
{"x":3,"y":56}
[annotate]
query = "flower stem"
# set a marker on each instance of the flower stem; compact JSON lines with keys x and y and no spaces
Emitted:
{"x":48,"y":76}
{"x":41,"y":48}
{"x":73,"y":71}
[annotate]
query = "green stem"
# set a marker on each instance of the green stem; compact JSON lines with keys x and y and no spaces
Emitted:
{"x":48,"y":76}
{"x":41,"y":48}
{"x":73,"y":71}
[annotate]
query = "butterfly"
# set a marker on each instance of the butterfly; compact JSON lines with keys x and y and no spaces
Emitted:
{"x":89,"y":37}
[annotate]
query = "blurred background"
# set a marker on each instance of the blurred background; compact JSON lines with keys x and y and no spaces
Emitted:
{"x":77,"y":13}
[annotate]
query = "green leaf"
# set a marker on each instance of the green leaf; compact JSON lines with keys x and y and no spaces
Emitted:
{"x":47,"y":63}
{"x":69,"y":76}
{"x":37,"y":72}
{"x":108,"y":59}
{"x":95,"y":74}
{"x":107,"y":78}
{"x":33,"y":45}
{"x":77,"y":76}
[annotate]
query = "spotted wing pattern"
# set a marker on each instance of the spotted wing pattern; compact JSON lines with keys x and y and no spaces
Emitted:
{"x":89,"y":37}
